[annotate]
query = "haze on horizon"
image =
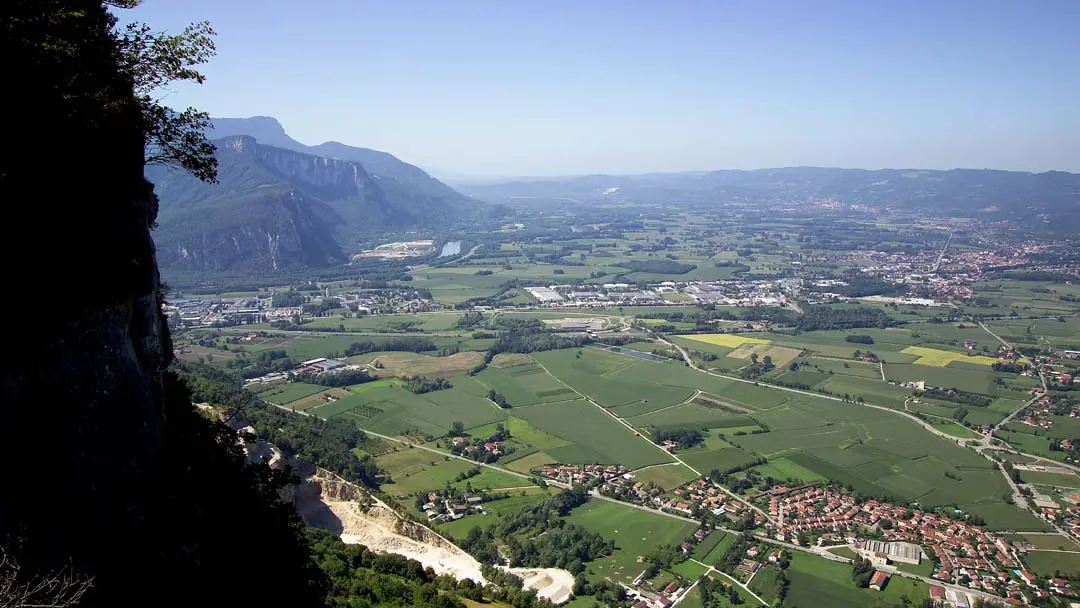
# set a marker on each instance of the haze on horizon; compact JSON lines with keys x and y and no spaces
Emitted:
{"x":492,"y":88}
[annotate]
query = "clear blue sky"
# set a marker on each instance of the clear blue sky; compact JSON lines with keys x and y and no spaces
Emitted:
{"x":541,"y":87}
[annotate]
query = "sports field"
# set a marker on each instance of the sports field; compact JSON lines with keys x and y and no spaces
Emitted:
{"x":941,"y":358}
{"x":728,"y":340}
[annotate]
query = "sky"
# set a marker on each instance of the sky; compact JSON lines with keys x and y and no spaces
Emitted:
{"x":471,"y":88}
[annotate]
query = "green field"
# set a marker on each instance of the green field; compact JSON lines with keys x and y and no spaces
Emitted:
{"x":702,"y":549}
{"x":954,"y":428}
{"x":1049,"y":479}
{"x":515,"y":502}
{"x":1050,"y":563}
{"x":1001,"y":517}
{"x":287,"y":393}
{"x":784,"y":468}
{"x":525,"y":385}
{"x":435,"y":477}
{"x":722,"y":459}
{"x":971,"y":380}
{"x":766,"y":583}
{"x":613,"y":380}
{"x":592,"y":436}
{"x":689,"y":570}
{"x":817,"y":582}
{"x":386,"y":407}
{"x":847,"y":552}
{"x":881,"y":454}
{"x":668,"y":477}
{"x":635,"y":532}
{"x":1046,"y":541}
{"x":524,"y":431}
{"x":690,"y":414}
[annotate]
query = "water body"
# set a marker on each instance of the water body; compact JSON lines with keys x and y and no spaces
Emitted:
{"x":450,"y":248}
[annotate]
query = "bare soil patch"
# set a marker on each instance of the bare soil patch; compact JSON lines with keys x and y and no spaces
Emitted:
{"x":319,"y":398}
{"x":782,"y":355}
{"x":405,"y":365}
{"x":747,"y":349}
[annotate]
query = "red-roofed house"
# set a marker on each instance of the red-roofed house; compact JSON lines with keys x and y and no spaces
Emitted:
{"x":877,"y":582}
{"x":937,"y":594}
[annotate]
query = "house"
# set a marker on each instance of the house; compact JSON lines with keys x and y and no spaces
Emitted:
{"x":937,"y":594}
{"x":877,"y":582}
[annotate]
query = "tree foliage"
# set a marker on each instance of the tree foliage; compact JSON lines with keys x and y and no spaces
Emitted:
{"x":538,"y":536}
{"x":153,"y":60}
{"x":326,"y":443}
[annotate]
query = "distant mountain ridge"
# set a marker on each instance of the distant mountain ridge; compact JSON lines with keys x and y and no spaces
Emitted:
{"x":278,"y":208}
{"x":1031,"y":197}
{"x":382,"y":165}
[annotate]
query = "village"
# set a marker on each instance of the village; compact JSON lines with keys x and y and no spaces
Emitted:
{"x":825,"y":518}
{"x":291,"y":308}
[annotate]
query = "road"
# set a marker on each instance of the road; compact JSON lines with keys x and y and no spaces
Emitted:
{"x":732,"y":579}
{"x":978,"y":444}
{"x":672,"y":455}
{"x":1042,"y":378}
{"x":929,"y":427}
{"x":941,"y":255}
{"x":462,"y":458}
{"x":816,"y":551}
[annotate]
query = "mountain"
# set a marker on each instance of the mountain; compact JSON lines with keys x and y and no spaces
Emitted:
{"x":277,"y":208}
{"x":381,"y":165}
{"x":1050,"y":199}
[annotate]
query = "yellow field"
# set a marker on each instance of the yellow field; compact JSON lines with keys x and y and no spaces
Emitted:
{"x":728,"y":340}
{"x":941,"y":358}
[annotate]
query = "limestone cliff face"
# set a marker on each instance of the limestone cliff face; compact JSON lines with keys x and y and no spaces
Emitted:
{"x":110,"y":471}
{"x":277,"y":208}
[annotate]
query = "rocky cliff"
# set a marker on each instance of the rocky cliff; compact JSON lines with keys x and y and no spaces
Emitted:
{"x":278,"y":208}
{"x":112,"y":478}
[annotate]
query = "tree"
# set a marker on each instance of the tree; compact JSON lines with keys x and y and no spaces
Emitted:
{"x":153,"y":60}
{"x":457,"y":429}
{"x":55,"y":589}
